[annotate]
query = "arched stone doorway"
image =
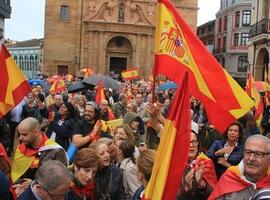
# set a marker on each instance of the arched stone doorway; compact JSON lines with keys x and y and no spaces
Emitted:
{"x":262,"y":63}
{"x":119,"y":54}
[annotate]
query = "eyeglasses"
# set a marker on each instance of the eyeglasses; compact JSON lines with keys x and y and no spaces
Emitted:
{"x":194,"y":143}
{"x":257,"y":154}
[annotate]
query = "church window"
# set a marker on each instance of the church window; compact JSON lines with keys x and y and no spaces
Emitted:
{"x":64,"y":13}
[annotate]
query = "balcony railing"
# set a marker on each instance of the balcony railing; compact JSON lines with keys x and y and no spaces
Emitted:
{"x":260,"y":27}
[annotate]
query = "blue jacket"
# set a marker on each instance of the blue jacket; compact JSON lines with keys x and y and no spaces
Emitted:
{"x":234,"y":158}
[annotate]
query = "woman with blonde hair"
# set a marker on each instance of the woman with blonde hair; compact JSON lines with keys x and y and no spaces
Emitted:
{"x":145,"y":163}
{"x":109,"y":178}
{"x":80,"y":105}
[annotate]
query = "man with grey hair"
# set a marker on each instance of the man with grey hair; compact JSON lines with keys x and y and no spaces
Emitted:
{"x":250,"y":176}
{"x":35,"y":148}
{"x":52,"y":182}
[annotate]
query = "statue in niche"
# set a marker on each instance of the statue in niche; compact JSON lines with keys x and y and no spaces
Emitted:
{"x":108,"y":13}
{"x":134,"y":14}
{"x":92,"y":7}
{"x":121,"y":12}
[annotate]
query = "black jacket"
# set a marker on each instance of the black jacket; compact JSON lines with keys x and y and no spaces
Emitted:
{"x":109,"y":184}
{"x":63,"y":132}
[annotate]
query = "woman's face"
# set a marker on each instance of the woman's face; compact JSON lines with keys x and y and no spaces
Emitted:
{"x":63,"y":110}
{"x":134,"y":125}
{"x":233,"y":133}
{"x":103,"y":153}
{"x":85,"y":175}
{"x":193,"y":149}
{"x":120,"y":134}
{"x":81,"y":102}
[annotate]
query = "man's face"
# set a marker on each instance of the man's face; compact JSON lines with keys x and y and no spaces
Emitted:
{"x":89,"y":113}
{"x":139,"y":99}
{"x":27,"y":137}
{"x":104,"y":107}
{"x":256,"y":162}
{"x":30,"y":98}
{"x":58,"y":100}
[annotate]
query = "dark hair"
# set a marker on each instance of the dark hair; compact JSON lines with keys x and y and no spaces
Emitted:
{"x":128,"y":149}
{"x":241,"y":131}
{"x":71,"y":109}
{"x":198,"y":139}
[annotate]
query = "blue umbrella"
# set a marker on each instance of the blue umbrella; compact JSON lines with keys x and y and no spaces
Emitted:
{"x":35,"y":82}
{"x":168,"y":86}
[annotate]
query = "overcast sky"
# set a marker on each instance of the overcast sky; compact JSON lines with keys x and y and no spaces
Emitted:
{"x":27,"y":18}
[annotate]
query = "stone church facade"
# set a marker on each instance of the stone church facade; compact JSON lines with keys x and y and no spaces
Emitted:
{"x":107,"y":35}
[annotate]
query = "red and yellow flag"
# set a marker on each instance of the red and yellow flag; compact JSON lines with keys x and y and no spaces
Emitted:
{"x":100,"y":95}
{"x":209,"y":172}
{"x":178,"y":49}
{"x":13,"y":85}
{"x":232,"y":181}
{"x":87,"y":71}
{"x":173,"y":150}
{"x":69,"y":77}
{"x":130,"y":74}
{"x":255,"y":95}
{"x":59,"y":85}
{"x":100,"y":92}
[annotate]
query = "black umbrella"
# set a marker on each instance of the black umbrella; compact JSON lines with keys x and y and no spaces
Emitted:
{"x":108,"y":82}
{"x":79,"y":86}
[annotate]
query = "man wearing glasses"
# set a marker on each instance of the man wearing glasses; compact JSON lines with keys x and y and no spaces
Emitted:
{"x":250,"y":176}
{"x":52,"y":182}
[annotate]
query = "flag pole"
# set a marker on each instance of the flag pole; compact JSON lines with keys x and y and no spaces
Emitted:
{"x":153,"y":89}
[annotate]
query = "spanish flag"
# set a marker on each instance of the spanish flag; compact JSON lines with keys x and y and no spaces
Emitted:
{"x":87,"y":72}
{"x":209,"y":172}
{"x":130,"y":74}
{"x":59,"y":85}
{"x":173,"y":150}
{"x":253,"y":92}
{"x":101,"y":96}
{"x":233,"y":180}
{"x":177,"y":49}
{"x":13,"y":85}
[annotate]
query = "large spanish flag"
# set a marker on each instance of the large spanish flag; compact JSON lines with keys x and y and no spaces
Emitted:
{"x":173,"y":150}
{"x":13,"y":85}
{"x":178,"y":49}
{"x":130,"y":74}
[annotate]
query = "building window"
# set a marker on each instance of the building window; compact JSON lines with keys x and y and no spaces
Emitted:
{"x":236,"y":39}
{"x":218,"y":44}
{"x":64,"y":13}
{"x":246,"y":18}
{"x":225,"y":23}
{"x":219,"y":25}
{"x":242,"y":63}
{"x":224,"y":44}
{"x":237,"y":19}
{"x":244,"y":38}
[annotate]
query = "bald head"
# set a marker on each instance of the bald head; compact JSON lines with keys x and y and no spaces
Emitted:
{"x":29,"y":123}
{"x":29,"y":131}
{"x":264,"y":140}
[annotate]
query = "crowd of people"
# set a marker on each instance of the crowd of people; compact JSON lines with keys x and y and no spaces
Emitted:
{"x":66,"y":150}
